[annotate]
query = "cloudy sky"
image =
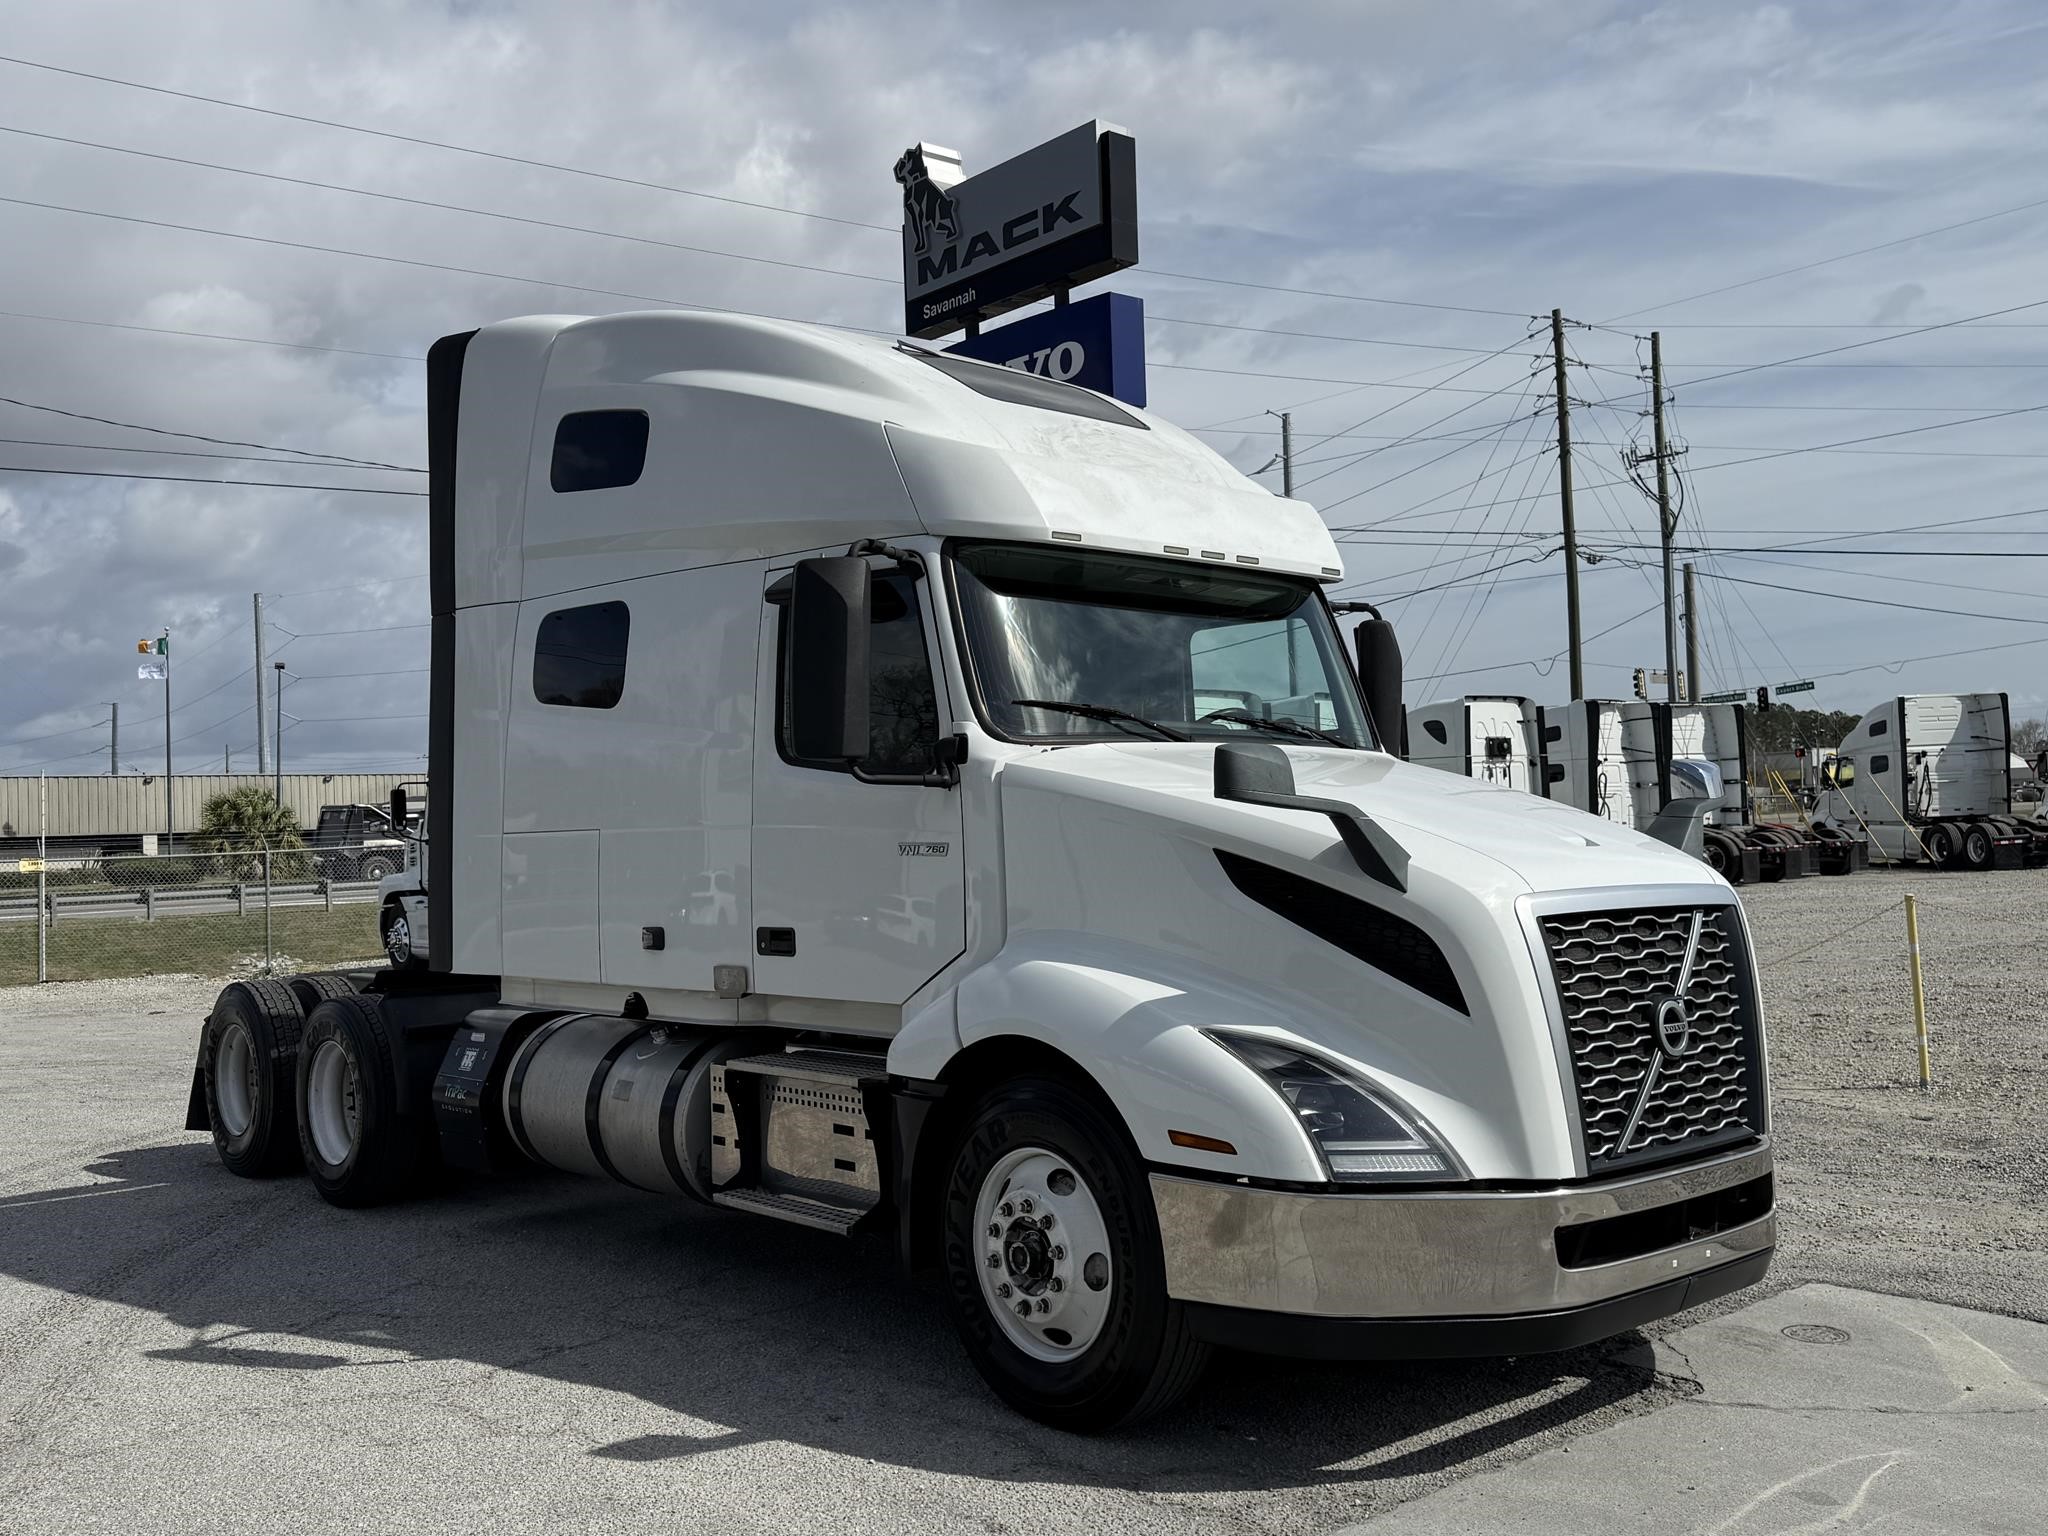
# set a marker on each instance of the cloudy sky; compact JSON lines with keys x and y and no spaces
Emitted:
{"x":1357,"y":200}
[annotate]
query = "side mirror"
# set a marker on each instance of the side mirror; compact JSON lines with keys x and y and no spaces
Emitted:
{"x":398,"y":807}
{"x":827,"y":681}
{"x":1379,"y":678}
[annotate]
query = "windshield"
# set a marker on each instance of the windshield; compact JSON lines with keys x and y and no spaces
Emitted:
{"x":1183,"y":646}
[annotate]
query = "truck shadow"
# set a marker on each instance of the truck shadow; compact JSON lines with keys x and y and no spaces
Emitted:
{"x":730,"y":1329}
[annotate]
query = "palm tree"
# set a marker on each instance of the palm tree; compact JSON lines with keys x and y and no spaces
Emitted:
{"x":246,"y":820}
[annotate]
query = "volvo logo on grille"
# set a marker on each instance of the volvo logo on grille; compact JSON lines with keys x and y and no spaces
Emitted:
{"x":1674,"y":1026}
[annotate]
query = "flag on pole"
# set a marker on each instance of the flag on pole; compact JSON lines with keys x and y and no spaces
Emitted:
{"x":157,"y":668}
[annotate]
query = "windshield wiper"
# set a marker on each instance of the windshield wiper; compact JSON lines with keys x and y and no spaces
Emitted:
{"x":1101,"y":712}
{"x":1284,"y":727}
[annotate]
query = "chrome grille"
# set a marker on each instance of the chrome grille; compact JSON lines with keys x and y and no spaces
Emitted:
{"x":1615,"y":971}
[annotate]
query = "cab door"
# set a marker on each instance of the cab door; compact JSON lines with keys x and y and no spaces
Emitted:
{"x":859,"y":890}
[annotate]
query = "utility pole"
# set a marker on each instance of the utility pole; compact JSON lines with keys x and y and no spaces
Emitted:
{"x":1287,"y":489}
{"x":1692,"y":637}
{"x":277,"y":753}
{"x":1571,"y":532}
{"x":227,"y":758}
{"x":114,"y":739}
{"x":170,"y":808}
{"x":261,"y":765}
{"x":1665,"y":522}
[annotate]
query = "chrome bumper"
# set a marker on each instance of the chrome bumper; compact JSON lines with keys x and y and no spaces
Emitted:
{"x":1438,"y":1254}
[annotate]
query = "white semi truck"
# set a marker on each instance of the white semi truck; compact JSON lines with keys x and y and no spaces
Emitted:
{"x":834,"y":822}
{"x":1928,"y":778}
{"x":1494,"y":738}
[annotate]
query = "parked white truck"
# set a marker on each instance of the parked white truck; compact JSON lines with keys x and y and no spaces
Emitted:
{"x":833,"y":823}
{"x":1494,"y":738}
{"x":1928,"y":778}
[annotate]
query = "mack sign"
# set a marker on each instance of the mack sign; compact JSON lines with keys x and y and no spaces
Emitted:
{"x":1055,"y":217}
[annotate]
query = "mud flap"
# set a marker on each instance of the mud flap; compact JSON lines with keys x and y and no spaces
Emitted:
{"x":195,"y":1107}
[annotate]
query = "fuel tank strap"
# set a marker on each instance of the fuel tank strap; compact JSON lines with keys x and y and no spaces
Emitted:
{"x":594,"y":1098}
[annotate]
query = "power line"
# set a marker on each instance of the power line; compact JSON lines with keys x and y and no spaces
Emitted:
{"x":334,"y":460}
{"x":1825,"y":261}
{"x":278,"y":485}
{"x":655,"y":186}
{"x":22,"y":741}
{"x":1879,"y":602}
{"x":460,"y":149}
{"x":1851,"y":346}
{"x":1875,"y":437}
{"x":427,"y":202}
{"x":192,"y":453}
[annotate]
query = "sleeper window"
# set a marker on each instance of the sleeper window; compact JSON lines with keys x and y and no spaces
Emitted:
{"x":597,"y":450}
{"x":1880,"y":764}
{"x":579,"y":656}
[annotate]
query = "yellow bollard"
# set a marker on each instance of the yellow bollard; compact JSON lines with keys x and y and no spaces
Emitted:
{"x":1919,"y":993}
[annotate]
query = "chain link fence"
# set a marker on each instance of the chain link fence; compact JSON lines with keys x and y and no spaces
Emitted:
{"x":208,"y":914}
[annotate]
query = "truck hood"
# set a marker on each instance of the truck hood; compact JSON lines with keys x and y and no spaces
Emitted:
{"x":1540,"y":844}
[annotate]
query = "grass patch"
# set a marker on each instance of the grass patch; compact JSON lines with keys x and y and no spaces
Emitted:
{"x":89,"y":948}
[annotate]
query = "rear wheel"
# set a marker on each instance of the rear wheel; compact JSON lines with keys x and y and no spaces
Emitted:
{"x":1715,"y":852}
{"x":376,"y":866}
{"x":359,"y":1148}
{"x":1940,"y":843}
{"x":1978,"y":852}
{"x":247,"y":1058}
{"x":1053,"y":1261}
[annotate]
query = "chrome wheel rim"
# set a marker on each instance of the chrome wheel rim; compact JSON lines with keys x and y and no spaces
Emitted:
{"x":1043,"y":1249}
{"x":398,"y":939}
{"x":331,"y":1108}
{"x":234,"y":1080}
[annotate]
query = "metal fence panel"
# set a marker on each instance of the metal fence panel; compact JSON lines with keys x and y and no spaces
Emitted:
{"x":209,"y":914}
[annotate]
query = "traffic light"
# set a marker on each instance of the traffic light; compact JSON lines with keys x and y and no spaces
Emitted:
{"x":1642,"y":683}
{"x":1763,"y":697}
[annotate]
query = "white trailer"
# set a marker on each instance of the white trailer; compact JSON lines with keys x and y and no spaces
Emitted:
{"x":1927,"y":777}
{"x":834,"y":822}
{"x":1494,"y":738}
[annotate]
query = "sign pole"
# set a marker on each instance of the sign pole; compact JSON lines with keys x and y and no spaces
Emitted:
{"x":42,"y":877}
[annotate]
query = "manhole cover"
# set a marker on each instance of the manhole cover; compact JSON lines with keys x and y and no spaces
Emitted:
{"x":1815,"y":1333}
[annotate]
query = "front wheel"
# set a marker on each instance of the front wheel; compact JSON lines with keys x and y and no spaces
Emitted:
{"x":398,"y":945}
{"x":1054,"y":1266}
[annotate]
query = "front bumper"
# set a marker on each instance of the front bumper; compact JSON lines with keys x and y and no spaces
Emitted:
{"x":1455,"y":1273}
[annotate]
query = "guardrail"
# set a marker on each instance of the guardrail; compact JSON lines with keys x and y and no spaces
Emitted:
{"x":148,"y":902}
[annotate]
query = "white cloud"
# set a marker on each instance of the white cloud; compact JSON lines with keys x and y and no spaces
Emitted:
{"x":1591,"y":154}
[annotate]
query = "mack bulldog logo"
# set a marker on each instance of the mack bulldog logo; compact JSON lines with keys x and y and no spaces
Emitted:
{"x":927,"y":207}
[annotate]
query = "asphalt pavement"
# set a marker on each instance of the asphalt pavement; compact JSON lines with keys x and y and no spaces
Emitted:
{"x":184,"y":1351}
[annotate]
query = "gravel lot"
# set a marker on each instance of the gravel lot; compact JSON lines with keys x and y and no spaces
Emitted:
{"x":184,"y":1351}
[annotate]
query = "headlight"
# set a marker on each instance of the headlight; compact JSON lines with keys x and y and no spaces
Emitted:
{"x":1362,"y":1133}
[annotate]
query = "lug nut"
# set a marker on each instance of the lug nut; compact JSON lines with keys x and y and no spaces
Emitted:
{"x":1055,"y":1285}
{"x":1045,"y":1222}
{"x":1023,"y":1309}
{"x":995,"y":1229}
{"x":1003,"y":1289}
{"x":995,"y":1261}
{"x":1058,"y":1251}
{"x":1044,"y":1305}
{"x":1007,"y":1209}
{"x":1026,"y":1206}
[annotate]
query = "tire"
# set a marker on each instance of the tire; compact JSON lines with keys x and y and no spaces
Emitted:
{"x":1715,"y":852}
{"x":394,"y":929}
{"x":1978,"y":851}
{"x":248,"y":1058}
{"x":313,"y":990}
{"x":376,"y":866}
{"x":1133,"y":1353}
{"x":359,"y":1149}
{"x":1940,"y":843}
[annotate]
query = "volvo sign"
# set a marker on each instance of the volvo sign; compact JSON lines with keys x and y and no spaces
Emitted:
{"x":1052,"y":218}
{"x":1098,"y":343}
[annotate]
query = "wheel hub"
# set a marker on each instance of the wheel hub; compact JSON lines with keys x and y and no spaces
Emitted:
{"x":1045,"y":1269}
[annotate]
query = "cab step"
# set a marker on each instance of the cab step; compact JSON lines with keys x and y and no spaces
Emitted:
{"x":839,"y":1219}
{"x":792,"y":1136}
